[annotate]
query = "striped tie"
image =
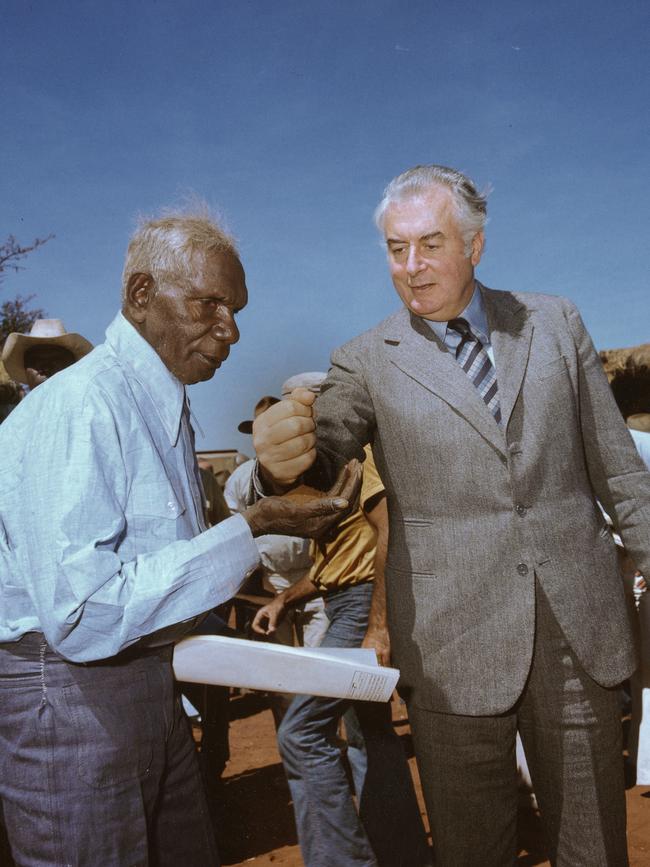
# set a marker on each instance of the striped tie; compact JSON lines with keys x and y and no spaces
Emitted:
{"x":472,"y":357}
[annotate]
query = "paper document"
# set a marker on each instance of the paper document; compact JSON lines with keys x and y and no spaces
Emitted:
{"x":335,"y":672}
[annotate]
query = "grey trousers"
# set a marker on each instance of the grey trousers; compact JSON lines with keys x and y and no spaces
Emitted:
{"x":97,"y":763}
{"x":571,"y":731}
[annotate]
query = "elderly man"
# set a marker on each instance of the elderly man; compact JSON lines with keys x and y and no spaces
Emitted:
{"x":495,"y":432}
{"x":47,"y":349}
{"x":105,"y":561}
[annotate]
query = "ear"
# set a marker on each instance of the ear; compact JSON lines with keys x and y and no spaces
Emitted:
{"x":140,"y":289}
{"x":478,"y":243}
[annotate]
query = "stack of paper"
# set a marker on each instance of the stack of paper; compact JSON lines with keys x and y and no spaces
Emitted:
{"x":334,"y":672}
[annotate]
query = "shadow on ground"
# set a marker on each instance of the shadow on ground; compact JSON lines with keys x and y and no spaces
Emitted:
{"x":258,"y":816}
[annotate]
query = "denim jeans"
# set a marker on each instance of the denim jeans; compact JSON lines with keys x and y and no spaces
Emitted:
{"x":97,"y":763}
{"x":387,"y":829}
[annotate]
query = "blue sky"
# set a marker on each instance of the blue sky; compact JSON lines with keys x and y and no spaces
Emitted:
{"x":289,"y":118}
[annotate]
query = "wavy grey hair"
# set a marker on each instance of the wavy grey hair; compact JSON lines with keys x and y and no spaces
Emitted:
{"x":470,"y":205}
{"x":166,"y":247}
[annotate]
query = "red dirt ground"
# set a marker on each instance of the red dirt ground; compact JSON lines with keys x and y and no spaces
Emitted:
{"x":259,"y":826}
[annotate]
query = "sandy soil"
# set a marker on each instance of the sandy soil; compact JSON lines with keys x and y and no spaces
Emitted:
{"x":258,"y":821}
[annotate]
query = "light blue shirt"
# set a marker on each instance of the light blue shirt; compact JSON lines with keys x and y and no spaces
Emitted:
{"x":476,"y":317}
{"x":102,"y":538}
{"x":642,"y":443}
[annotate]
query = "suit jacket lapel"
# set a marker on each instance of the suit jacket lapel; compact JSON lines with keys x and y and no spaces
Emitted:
{"x":413,"y":347}
{"x":511,"y":334}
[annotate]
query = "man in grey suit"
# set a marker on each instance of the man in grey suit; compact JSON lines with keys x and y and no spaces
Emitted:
{"x":495,"y":433}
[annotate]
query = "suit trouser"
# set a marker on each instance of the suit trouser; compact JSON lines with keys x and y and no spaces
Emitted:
{"x":97,"y":763}
{"x":571,"y":731}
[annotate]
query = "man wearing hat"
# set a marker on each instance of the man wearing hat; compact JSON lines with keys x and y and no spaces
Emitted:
{"x":48,"y":348}
{"x":10,"y":393}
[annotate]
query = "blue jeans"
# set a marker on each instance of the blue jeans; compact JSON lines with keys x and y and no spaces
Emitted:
{"x":387,"y":830}
{"x":97,"y":763}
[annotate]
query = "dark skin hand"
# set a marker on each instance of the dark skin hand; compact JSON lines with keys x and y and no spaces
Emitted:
{"x":310,"y":514}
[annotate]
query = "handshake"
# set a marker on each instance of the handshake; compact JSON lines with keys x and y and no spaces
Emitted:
{"x":284,"y":438}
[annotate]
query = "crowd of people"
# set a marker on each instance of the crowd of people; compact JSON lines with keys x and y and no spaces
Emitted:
{"x":475,"y":498}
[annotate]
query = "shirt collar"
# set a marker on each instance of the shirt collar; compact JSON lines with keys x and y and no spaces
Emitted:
{"x":141,"y":361}
{"x":475,"y":315}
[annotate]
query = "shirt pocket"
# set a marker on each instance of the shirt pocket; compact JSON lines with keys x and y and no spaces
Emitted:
{"x":154,"y":515}
{"x":156,"y":499}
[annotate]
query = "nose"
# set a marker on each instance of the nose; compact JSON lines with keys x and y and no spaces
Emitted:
{"x":225,"y":329}
{"x":414,"y":262}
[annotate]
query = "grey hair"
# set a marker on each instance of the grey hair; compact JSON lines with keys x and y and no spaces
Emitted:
{"x":469,"y":204}
{"x":166,"y":246}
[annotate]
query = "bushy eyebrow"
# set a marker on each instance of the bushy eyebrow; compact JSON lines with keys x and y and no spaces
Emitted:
{"x":202,"y":295}
{"x":426,"y":237}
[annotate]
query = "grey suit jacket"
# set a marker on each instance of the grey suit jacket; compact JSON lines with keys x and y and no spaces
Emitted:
{"x":477,"y":510}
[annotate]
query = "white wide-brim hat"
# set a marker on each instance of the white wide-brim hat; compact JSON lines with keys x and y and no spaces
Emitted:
{"x":311,"y":380}
{"x":50,"y":331}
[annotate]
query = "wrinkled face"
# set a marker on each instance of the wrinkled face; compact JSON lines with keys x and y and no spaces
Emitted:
{"x":44,"y":361}
{"x":192,"y":325}
{"x":426,"y":255}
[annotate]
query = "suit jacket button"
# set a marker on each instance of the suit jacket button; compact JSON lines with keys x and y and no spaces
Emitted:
{"x":522,"y":569}
{"x":519,"y":509}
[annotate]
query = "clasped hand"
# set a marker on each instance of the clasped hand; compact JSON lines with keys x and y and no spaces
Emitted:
{"x":306,"y":512}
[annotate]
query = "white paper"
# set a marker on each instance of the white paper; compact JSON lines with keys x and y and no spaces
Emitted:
{"x":334,"y":672}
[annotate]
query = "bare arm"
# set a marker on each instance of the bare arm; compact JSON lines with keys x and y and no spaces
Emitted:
{"x":377,"y":636}
{"x":267,"y":618}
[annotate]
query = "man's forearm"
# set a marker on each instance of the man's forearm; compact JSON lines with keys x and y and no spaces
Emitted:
{"x":377,"y":616}
{"x":303,"y":589}
{"x":377,"y":636}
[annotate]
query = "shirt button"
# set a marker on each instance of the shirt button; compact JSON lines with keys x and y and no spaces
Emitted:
{"x":170,"y":506}
{"x":522,"y":569}
{"x":519,"y":509}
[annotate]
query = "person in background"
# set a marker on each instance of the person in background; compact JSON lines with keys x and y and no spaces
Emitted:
{"x":47,"y":349}
{"x":105,"y":561}
{"x":285,"y":559}
{"x":631,"y":389}
{"x":11,"y":393}
{"x":216,"y":508}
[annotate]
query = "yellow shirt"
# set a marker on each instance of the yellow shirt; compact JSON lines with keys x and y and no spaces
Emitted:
{"x":349,"y":559}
